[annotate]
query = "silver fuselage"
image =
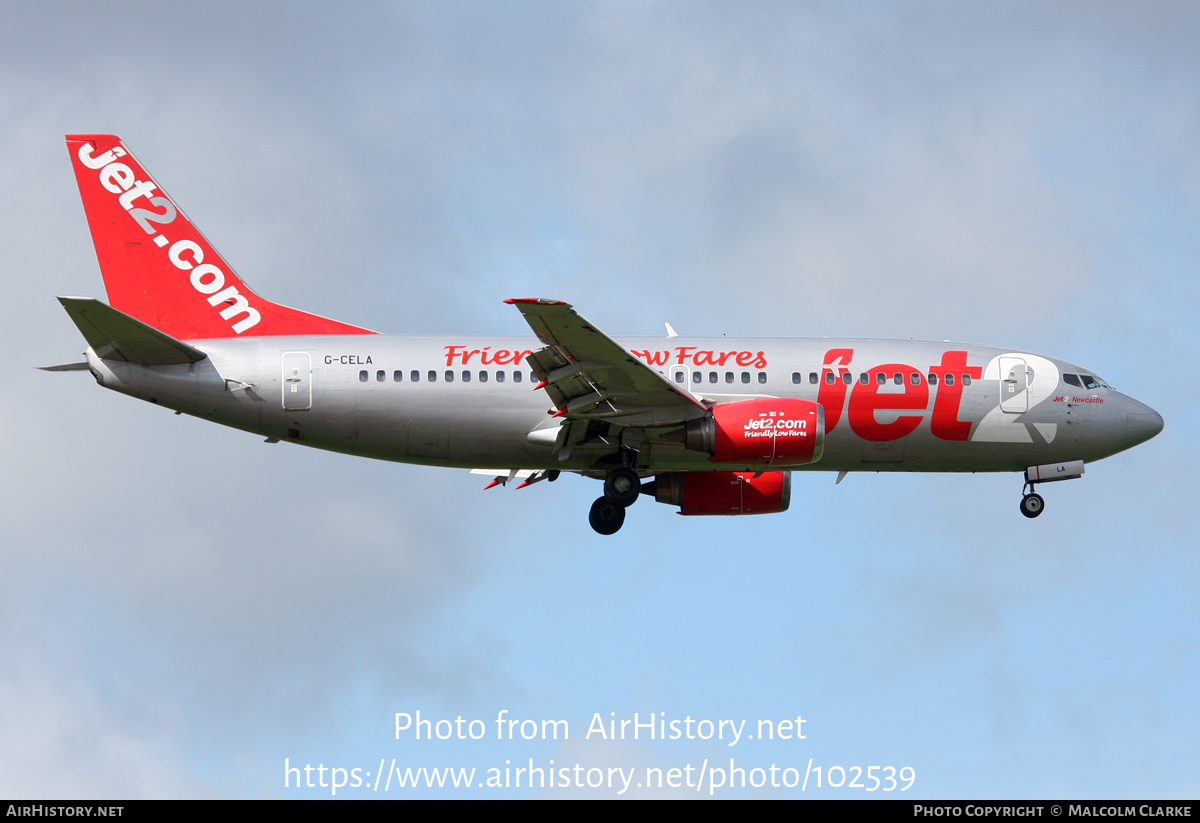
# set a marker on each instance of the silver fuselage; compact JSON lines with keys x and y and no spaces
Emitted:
{"x":341,"y":394}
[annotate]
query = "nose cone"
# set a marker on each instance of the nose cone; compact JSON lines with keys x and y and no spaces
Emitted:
{"x":1141,"y":423}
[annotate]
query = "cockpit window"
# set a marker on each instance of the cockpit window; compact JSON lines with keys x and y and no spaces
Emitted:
{"x":1090,"y":382}
{"x":1071,"y":379}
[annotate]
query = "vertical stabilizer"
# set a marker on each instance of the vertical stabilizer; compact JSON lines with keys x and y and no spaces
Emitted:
{"x":158,"y":267}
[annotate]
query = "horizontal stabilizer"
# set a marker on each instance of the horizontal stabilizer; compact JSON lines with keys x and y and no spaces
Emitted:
{"x":114,"y":335}
{"x":66,"y":367}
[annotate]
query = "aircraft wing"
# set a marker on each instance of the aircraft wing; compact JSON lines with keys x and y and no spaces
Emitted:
{"x":590,"y":377}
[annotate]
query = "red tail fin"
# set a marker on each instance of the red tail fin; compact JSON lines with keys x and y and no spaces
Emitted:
{"x":158,"y":267}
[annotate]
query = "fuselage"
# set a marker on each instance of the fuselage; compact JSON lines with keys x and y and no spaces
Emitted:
{"x":889,"y":405}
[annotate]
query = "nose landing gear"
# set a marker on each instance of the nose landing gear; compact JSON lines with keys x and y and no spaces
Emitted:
{"x":621,"y":489}
{"x":1032,"y":504}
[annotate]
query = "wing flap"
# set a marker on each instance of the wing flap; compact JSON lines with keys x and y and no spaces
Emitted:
{"x":114,"y":335}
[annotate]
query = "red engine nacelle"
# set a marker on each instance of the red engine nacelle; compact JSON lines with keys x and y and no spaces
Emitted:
{"x":723,"y":492}
{"x":776,"y":431}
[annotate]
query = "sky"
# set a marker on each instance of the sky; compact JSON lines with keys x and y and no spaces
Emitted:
{"x":188,"y":611}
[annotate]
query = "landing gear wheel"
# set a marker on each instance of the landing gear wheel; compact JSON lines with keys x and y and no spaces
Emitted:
{"x":606,"y":517}
{"x":1032,"y":505}
{"x":622,"y":486}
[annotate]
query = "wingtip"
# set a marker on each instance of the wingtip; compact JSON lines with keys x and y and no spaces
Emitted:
{"x":545,"y":301}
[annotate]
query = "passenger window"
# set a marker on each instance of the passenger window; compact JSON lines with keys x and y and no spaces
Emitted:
{"x":483,"y":377}
{"x":397,"y":375}
{"x":880,"y":378}
{"x":449,"y":376}
{"x":678,"y":377}
{"x":516,"y":377}
{"x":949,"y":379}
{"x":1072,"y":380}
{"x":847,"y":378}
{"x":966,"y":380}
{"x":933,"y":379}
{"x":796,"y":378}
{"x":812,"y":377}
{"x":380,"y":376}
{"x":499,"y":377}
{"x":762,"y":377}
{"x":915,"y":379}
{"x":712,"y":377}
{"x":466,"y":376}
{"x":745,"y":377}
{"x":533,"y":377}
{"x":898,"y":379}
{"x":696,"y":377}
{"x":362,"y":376}
{"x":728,"y":377}
{"x":432,"y":376}
{"x":829,"y":378}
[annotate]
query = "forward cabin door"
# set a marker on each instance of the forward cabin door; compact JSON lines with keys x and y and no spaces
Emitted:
{"x":297,"y":380}
{"x":1014,"y":382}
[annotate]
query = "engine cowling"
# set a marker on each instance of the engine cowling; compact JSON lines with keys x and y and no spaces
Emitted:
{"x":773,"y":431}
{"x":730,"y":493}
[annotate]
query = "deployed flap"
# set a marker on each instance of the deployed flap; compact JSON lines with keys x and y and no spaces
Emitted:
{"x":114,"y":335}
{"x":589,"y":376}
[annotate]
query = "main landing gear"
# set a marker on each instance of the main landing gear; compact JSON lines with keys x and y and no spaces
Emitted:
{"x":621,"y":490}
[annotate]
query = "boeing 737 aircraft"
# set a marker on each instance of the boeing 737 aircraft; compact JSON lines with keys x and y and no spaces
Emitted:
{"x":711,"y":425}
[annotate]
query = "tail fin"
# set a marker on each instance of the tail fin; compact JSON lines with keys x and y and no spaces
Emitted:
{"x":158,"y":267}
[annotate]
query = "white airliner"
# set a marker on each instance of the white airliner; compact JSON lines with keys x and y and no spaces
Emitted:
{"x":711,"y":425}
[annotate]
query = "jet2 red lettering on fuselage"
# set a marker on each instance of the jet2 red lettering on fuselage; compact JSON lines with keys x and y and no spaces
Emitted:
{"x":865,"y":398}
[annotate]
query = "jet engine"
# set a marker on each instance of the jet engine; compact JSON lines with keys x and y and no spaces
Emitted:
{"x":774,"y":431}
{"x":722,"y":492}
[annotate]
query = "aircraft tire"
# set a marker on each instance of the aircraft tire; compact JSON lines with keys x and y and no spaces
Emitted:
{"x":622,"y":486}
{"x":606,"y":517}
{"x":1032,"y":505}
